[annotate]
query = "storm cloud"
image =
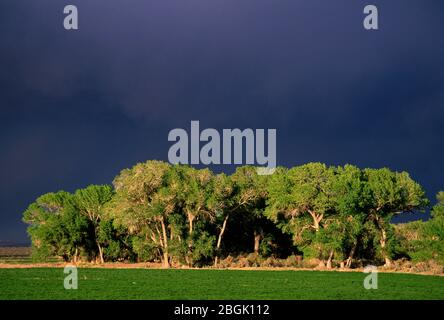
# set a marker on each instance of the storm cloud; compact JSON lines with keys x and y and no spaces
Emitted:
{"x":79,"y":106}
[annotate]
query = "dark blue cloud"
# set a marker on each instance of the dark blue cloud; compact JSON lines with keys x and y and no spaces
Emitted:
{"x":77,"y":107}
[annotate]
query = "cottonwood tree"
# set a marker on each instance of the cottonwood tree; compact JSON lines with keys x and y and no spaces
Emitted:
{"x":300,"y":199}
{"x":351,"y":198}
{"x":391,"y":193}
{"x":233,"y":194}
{"x":220,"y":204}
{"x":431,"y":245}
{"x":144,"y":204}
{"x":249,"y":199}
{"x":303,"y":190}
{"x":424,"y":240}
{"x":192,"y":189}
{"x":178,"y":214}
{"x":56,"y":228}
{"x":91,"y":202}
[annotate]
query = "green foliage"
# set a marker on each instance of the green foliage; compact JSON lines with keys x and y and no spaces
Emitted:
{"x":424,"y":241}
{"x":203,"y":248}
{"x":55,"y":227}
{"x":144,"y":249}
{"x":179,"y":215}
{"x":438,"y":209}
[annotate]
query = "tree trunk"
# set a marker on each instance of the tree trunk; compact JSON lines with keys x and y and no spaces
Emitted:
{"x":219,"y":239}
{"x":383,"y":243}
{"x":189,"y":260}
{"x":257,"y":240}
{"x":100,"y":253}
{"x":190,"y":223}
{"x":166,"y":262}
{"x":350,"y":257}
{"x":330,"y":257}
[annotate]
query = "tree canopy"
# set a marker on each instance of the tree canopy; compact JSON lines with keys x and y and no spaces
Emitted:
{"x":180,"y":215}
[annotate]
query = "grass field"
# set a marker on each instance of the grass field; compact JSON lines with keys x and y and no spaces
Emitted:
{"x":47,"y":283}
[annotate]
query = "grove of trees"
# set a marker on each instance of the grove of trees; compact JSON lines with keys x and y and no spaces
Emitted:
{"x":179,"y":215}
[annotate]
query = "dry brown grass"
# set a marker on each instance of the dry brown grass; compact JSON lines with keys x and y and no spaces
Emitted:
{"x":15,"y":251}
{"x":249,"y":262}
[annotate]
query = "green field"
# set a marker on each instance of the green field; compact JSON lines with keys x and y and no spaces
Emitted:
{"x":47,"y":283}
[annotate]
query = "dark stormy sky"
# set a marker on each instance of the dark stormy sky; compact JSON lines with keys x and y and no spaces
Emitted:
{"x":79,"y":106}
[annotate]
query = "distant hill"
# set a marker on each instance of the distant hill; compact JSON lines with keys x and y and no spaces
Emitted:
{"x":8,"y":243}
